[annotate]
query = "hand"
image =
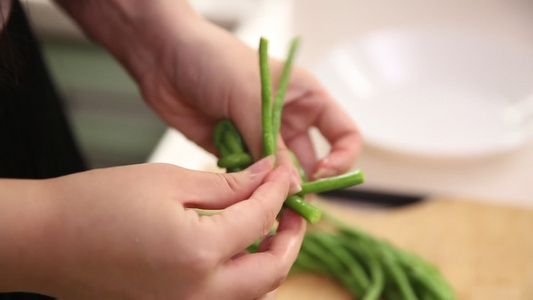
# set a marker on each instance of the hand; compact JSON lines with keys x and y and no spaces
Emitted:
{"x":128,"y":232}
{"x":212,"y":76}
{"x":195,"y":74}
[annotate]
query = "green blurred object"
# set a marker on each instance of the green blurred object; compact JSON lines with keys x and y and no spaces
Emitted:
{"x":111,"y":122}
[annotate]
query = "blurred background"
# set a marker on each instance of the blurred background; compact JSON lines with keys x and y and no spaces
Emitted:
{"x":111,"y":122}
{"x":441,"y":90}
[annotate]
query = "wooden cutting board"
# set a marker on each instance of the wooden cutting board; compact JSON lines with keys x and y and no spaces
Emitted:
{"x":485,"y":251}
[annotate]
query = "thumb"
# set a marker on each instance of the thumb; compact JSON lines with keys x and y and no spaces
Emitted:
{"x":218,"y":191}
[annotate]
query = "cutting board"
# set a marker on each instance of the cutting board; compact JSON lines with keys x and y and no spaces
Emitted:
{"x":484,"y":250}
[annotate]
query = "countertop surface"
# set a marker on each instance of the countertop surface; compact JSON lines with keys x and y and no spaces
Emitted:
{"x":484,"y":250}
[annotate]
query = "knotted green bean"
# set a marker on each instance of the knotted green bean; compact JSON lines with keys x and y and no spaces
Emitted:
{"x":235,"y":160}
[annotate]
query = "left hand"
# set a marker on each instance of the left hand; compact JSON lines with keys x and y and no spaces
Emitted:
{"x":195,"y":74}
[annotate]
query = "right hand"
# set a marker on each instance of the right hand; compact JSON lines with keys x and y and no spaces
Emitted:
{"x":127,"y":232}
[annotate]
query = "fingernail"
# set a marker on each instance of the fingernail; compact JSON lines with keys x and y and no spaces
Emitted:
{"x":262,"y":165}
{"x":324,"y":173}
{"x":296,"y":185}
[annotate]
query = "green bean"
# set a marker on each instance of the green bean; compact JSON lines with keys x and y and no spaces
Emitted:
{"x":391,"y":293}
{"x":235,"y":160}
{"x":378,"y":280}
{"x":363,"y":251}
{"x":418,"y":271}
{"x":429,"y":283}
{"x":356,"y":271}
{"x":233,"y":170}
{"x":282,"y":89}
{"x":224,"y":151}
{"x":397,"y":275}
{"x":314,"y":248}
{"x":423,"y":293}
{"x":306,"y":261}
{"x":303,"y":208}
{"x":333,"y":266}
{"x":233,"y":142}
{"x":424,"y":274}
{"x":218,"y":133}
{"x":387,"y":257}
{"x":253,"y":248}
{"x":333,"y":183}
{"x":266,"y":99}
{"x":233,"y":138}
{"x":301,"y":171}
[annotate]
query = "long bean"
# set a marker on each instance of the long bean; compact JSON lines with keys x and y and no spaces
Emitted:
{"x":235,"y":160}
{"x":306,"y":210}
{"x":218,"y":133}
{"x":282,"y":89}
{"x":233,"y":139}
{"x":333,"y":183}
{"x":397,"y":275}
{"x":224,"y":151}
{"x":307,"y":261}
{"x":355,"y":269}
{"x":266,"y":99}
{"x":335,"y":268}
{"x":296,"y":163}
{"x":362,"y":250}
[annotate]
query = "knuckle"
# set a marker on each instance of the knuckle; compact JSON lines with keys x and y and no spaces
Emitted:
{"x":230,"y":183}
{"x":267,"y":219}
{"x":202,"y":260}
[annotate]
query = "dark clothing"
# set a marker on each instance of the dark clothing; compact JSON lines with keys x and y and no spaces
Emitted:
{"x":35,"y":140}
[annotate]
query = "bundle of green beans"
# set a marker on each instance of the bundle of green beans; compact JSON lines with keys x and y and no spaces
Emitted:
{"x":234,"y":154}
{"x":369,"y":268}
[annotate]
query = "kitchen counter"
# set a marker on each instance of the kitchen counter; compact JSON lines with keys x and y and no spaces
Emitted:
{"x":485,"y":251}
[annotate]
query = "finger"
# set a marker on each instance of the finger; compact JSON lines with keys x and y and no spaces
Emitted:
{"x":317,"y":109}
{"x":243,"y":223}
{"x":302,"y":146}
{"x":283,"y":157}
{"x":309,"y":105}
{"x":256,"y":274}
{"x":217,"y":191}
{"x":265,"y":243}
{"x":340,"y":131}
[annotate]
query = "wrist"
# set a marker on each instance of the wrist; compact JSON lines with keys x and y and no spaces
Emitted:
{"x":136,"y":32}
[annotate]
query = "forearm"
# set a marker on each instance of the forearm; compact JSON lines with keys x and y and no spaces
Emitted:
{"x":134,"y":31}
{"x":23,"y":230}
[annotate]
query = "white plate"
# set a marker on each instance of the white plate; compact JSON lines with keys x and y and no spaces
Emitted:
{"x":434,"y":92}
